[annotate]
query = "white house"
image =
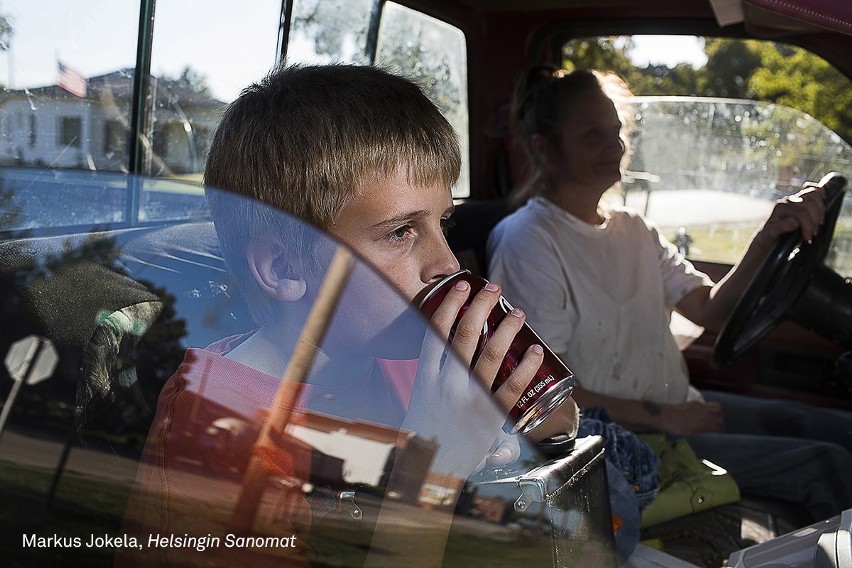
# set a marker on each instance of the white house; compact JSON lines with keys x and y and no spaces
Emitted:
{"x":49,"y":126}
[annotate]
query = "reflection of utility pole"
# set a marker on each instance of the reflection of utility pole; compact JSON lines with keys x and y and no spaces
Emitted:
{"x":256,"y":476}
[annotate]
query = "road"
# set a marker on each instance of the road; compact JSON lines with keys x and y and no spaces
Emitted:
{"x":673,"y":208}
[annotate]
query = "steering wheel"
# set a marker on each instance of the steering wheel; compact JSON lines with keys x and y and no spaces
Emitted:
{"x":780,"y":282}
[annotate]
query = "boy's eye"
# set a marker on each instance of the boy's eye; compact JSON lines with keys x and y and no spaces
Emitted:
{"x":400,"y":233}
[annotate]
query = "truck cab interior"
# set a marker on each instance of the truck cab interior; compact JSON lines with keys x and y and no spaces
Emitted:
{"x":111,"y":269}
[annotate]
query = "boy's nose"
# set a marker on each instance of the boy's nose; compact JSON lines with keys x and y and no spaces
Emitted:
{"x":443,"y":263}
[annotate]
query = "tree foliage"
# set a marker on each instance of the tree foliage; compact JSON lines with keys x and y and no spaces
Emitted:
{"x":6,"y":33}
{"x":730,"y":65}
{"x":193,"y":80}
{"x":799,"y":79}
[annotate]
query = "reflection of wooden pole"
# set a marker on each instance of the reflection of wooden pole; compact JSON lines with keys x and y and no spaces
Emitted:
{"x":254,"y":481}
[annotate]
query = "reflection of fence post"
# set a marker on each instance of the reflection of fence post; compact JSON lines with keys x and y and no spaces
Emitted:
{"x":255,"y":478}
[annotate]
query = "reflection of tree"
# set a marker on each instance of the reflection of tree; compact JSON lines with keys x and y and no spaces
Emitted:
{"x":334,"y":29}
{"x":331,"y":25}
{"x":6,"y":33}
{"x":192,"y":80}
{"x":405,"y":47}
{"x":796,"y":144}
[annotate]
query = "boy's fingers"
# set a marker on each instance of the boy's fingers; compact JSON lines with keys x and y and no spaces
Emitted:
{"x":510,"y":392}
{"x":508,"y":450}
{"x":498,"y":344}
{"x":445,"y":316}
{"x":470,"y":326}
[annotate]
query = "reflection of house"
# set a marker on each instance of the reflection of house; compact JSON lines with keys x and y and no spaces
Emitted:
{"x":50,"y":126}
{"x":492,"y":509}
{"x":368,"y":450}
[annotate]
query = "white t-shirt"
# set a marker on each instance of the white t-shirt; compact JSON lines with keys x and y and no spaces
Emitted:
{"x":600,"y":296}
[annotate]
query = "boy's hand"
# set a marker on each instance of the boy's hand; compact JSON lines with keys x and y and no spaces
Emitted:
{"x":467,"y":335}
{"x":447,"y":403}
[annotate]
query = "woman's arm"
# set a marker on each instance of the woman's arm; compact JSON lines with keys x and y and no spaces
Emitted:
{"x":646,"y":416}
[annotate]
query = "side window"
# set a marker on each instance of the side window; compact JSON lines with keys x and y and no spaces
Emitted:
{"x":713,"y":139}
{"x":201,"y":61}
{"x":64,"y":70}
{"x":327,"y":31}
{"x":428,"y":51}
{"x":67,"y":81}
{"x":433,"y":54}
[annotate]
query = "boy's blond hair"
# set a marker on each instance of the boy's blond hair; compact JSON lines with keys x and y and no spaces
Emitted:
{"x":306,"y":139}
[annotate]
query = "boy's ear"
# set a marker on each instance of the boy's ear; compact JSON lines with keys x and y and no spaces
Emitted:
{"x":273,"y":271}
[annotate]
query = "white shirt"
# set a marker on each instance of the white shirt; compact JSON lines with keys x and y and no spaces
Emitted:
{"x":600,"y":296}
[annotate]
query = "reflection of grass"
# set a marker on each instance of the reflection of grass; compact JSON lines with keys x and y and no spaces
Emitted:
{"x":97,"y":495}
{"x":465,"y":549}
{"x":85,"y":507}
{"x":340,"y":541}
{"x":90,"y":506}
{"x":22,"y":515}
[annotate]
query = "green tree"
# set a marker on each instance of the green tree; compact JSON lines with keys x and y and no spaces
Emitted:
{"x":661,"y":80}
{"x":797,"y":78}
{"x":601,"y":53}
{"x":611,"y":54}
{"x":730,"y":65}
{"x":191,"y":79}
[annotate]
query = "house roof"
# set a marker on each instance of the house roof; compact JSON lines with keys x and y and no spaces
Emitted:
{"x":118,"y":85}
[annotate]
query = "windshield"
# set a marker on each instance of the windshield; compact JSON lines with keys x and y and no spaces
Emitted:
{"x":734,"y":159}
{"x":141,"y":409}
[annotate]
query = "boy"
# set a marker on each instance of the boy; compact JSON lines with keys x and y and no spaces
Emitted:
{"x":364,"y":155}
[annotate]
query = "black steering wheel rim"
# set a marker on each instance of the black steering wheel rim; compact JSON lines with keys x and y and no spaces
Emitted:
{"x":779,"y":282}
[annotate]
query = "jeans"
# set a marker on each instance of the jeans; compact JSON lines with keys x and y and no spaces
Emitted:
{"x":749,"y":415}
{"x":783,"y":450}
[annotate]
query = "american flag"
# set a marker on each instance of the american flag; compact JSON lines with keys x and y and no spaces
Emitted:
{"x":72,"y":81}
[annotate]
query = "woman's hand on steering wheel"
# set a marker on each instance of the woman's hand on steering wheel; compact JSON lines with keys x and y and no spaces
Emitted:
{"x":804,"y":210}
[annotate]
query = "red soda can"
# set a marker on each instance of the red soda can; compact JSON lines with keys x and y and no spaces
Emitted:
{"x":552,"y":384}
